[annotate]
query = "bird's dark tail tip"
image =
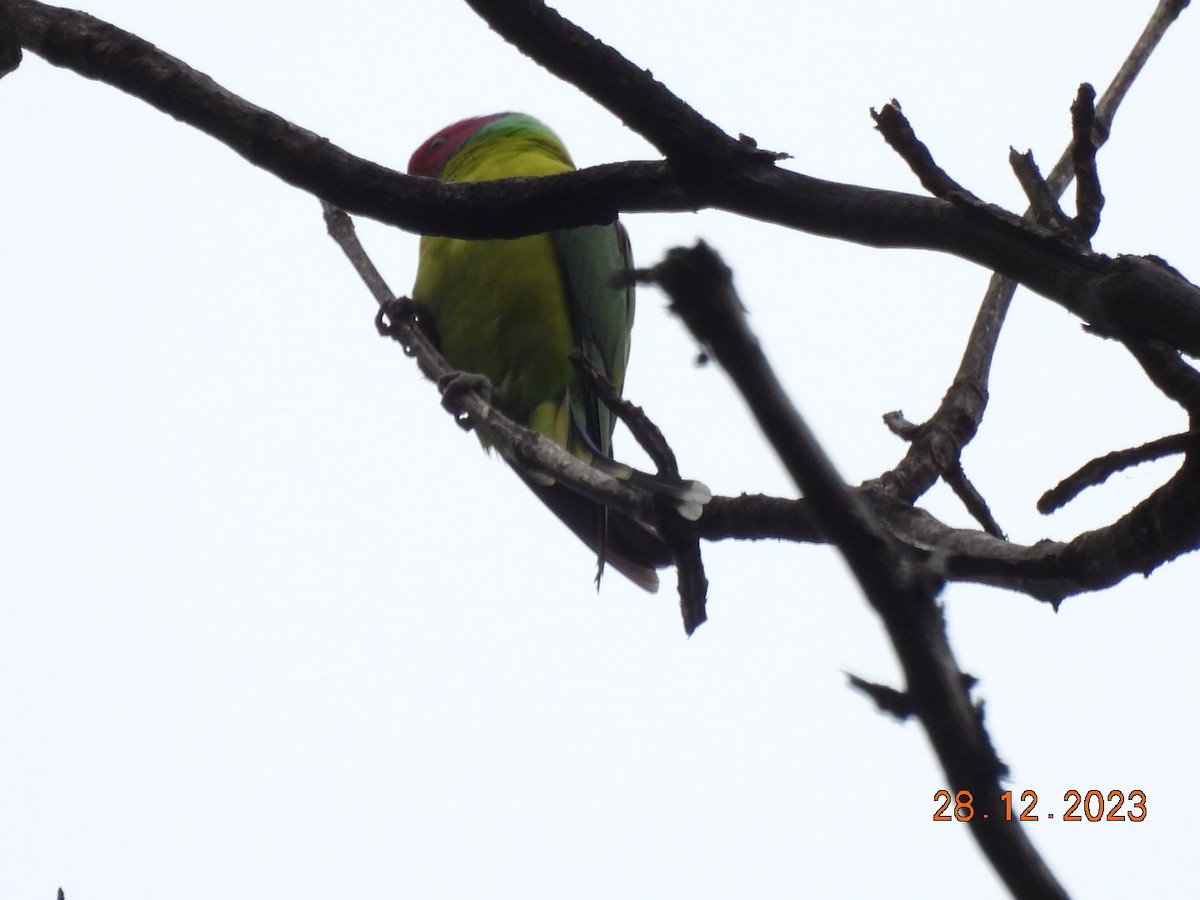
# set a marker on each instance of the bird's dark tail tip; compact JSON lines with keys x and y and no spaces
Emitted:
{"x":633,"y":549}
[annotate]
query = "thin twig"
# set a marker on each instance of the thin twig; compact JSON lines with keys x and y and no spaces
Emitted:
{"x":1043,"y":205}
{"x":952,"y":474}
{"x":899,"y":134}
{"x":963,"y":405}
{"x":679,"y":535}
{"x":1089,"y":199}
{"x":682,"y":539}
{"x":1098,"y":470}
{"x":648,"y":435}
{"x":341,"y":228}
{"x":1169,"y":373}
{"x":956,"y":479}
{"x":887,"y":699}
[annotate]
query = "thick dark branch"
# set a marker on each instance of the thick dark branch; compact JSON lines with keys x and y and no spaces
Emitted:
{"x":1169,"y":373}
{"x":10,"y":57}
{"x":1166,"y":309}
{"x":1161,"y":528}
{"x":1127,"y":297}
{"x":701,"y":289}
{"x":632,"y":94}
{"x":759,"y":517}
{"x":97,"y":50}
{"x":902,"y":590}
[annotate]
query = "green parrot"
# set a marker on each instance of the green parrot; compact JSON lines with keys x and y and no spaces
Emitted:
{"x":514,"y":311}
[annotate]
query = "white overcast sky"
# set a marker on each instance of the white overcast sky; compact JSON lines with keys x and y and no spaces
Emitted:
{"x":271,"y":626}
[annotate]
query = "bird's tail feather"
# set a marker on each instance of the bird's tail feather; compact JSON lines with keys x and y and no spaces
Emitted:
{"x":688,"y":497}
{"x":633,"y":549}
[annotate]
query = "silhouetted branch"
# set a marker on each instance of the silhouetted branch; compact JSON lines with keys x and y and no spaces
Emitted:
{"x":898,"y":585}
{"x":957,"y":418}
{"x":953,"y":474}
{"x":887,"y":699}
{"x":1089,"y":199}
{"x":679,"y":535}
{"x":648,"y":435}
{"x":687,"y":139}
{"x":956,"y":479}
{"x":741,"y":181}
{"x":1096,"y":471}
{"x":1169,"y":373}
{"x":899,"y":134}
{"x":10,"y":57}
{"x":1043,"y":203}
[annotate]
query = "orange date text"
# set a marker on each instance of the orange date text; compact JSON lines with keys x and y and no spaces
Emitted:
{"x":1078,"y":806}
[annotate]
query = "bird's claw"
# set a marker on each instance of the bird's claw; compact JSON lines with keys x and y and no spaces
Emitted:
{"x":392,"y":312}
{"x":404,"y":310}
{"x":454,"y":385}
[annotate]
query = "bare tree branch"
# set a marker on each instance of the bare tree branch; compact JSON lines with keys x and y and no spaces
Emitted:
{"x":901,"y":588}
{"x":900,"y":136}
{"x":952,"y":474}
{"x":1043,"y":204}
{"x":1089,"y":199}
{"x":1170,"y":374}
{"x":1098,"y":470}
{"x":679,"y":534}
{"x":648,"y":107}
{"x":1115,"y":300}
{"x":957,"y":418}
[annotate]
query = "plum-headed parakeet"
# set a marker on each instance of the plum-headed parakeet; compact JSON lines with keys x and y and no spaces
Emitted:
{"x":514,"y":310}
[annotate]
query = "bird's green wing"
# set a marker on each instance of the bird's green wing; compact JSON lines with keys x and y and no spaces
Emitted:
{"x":601,"y":314}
